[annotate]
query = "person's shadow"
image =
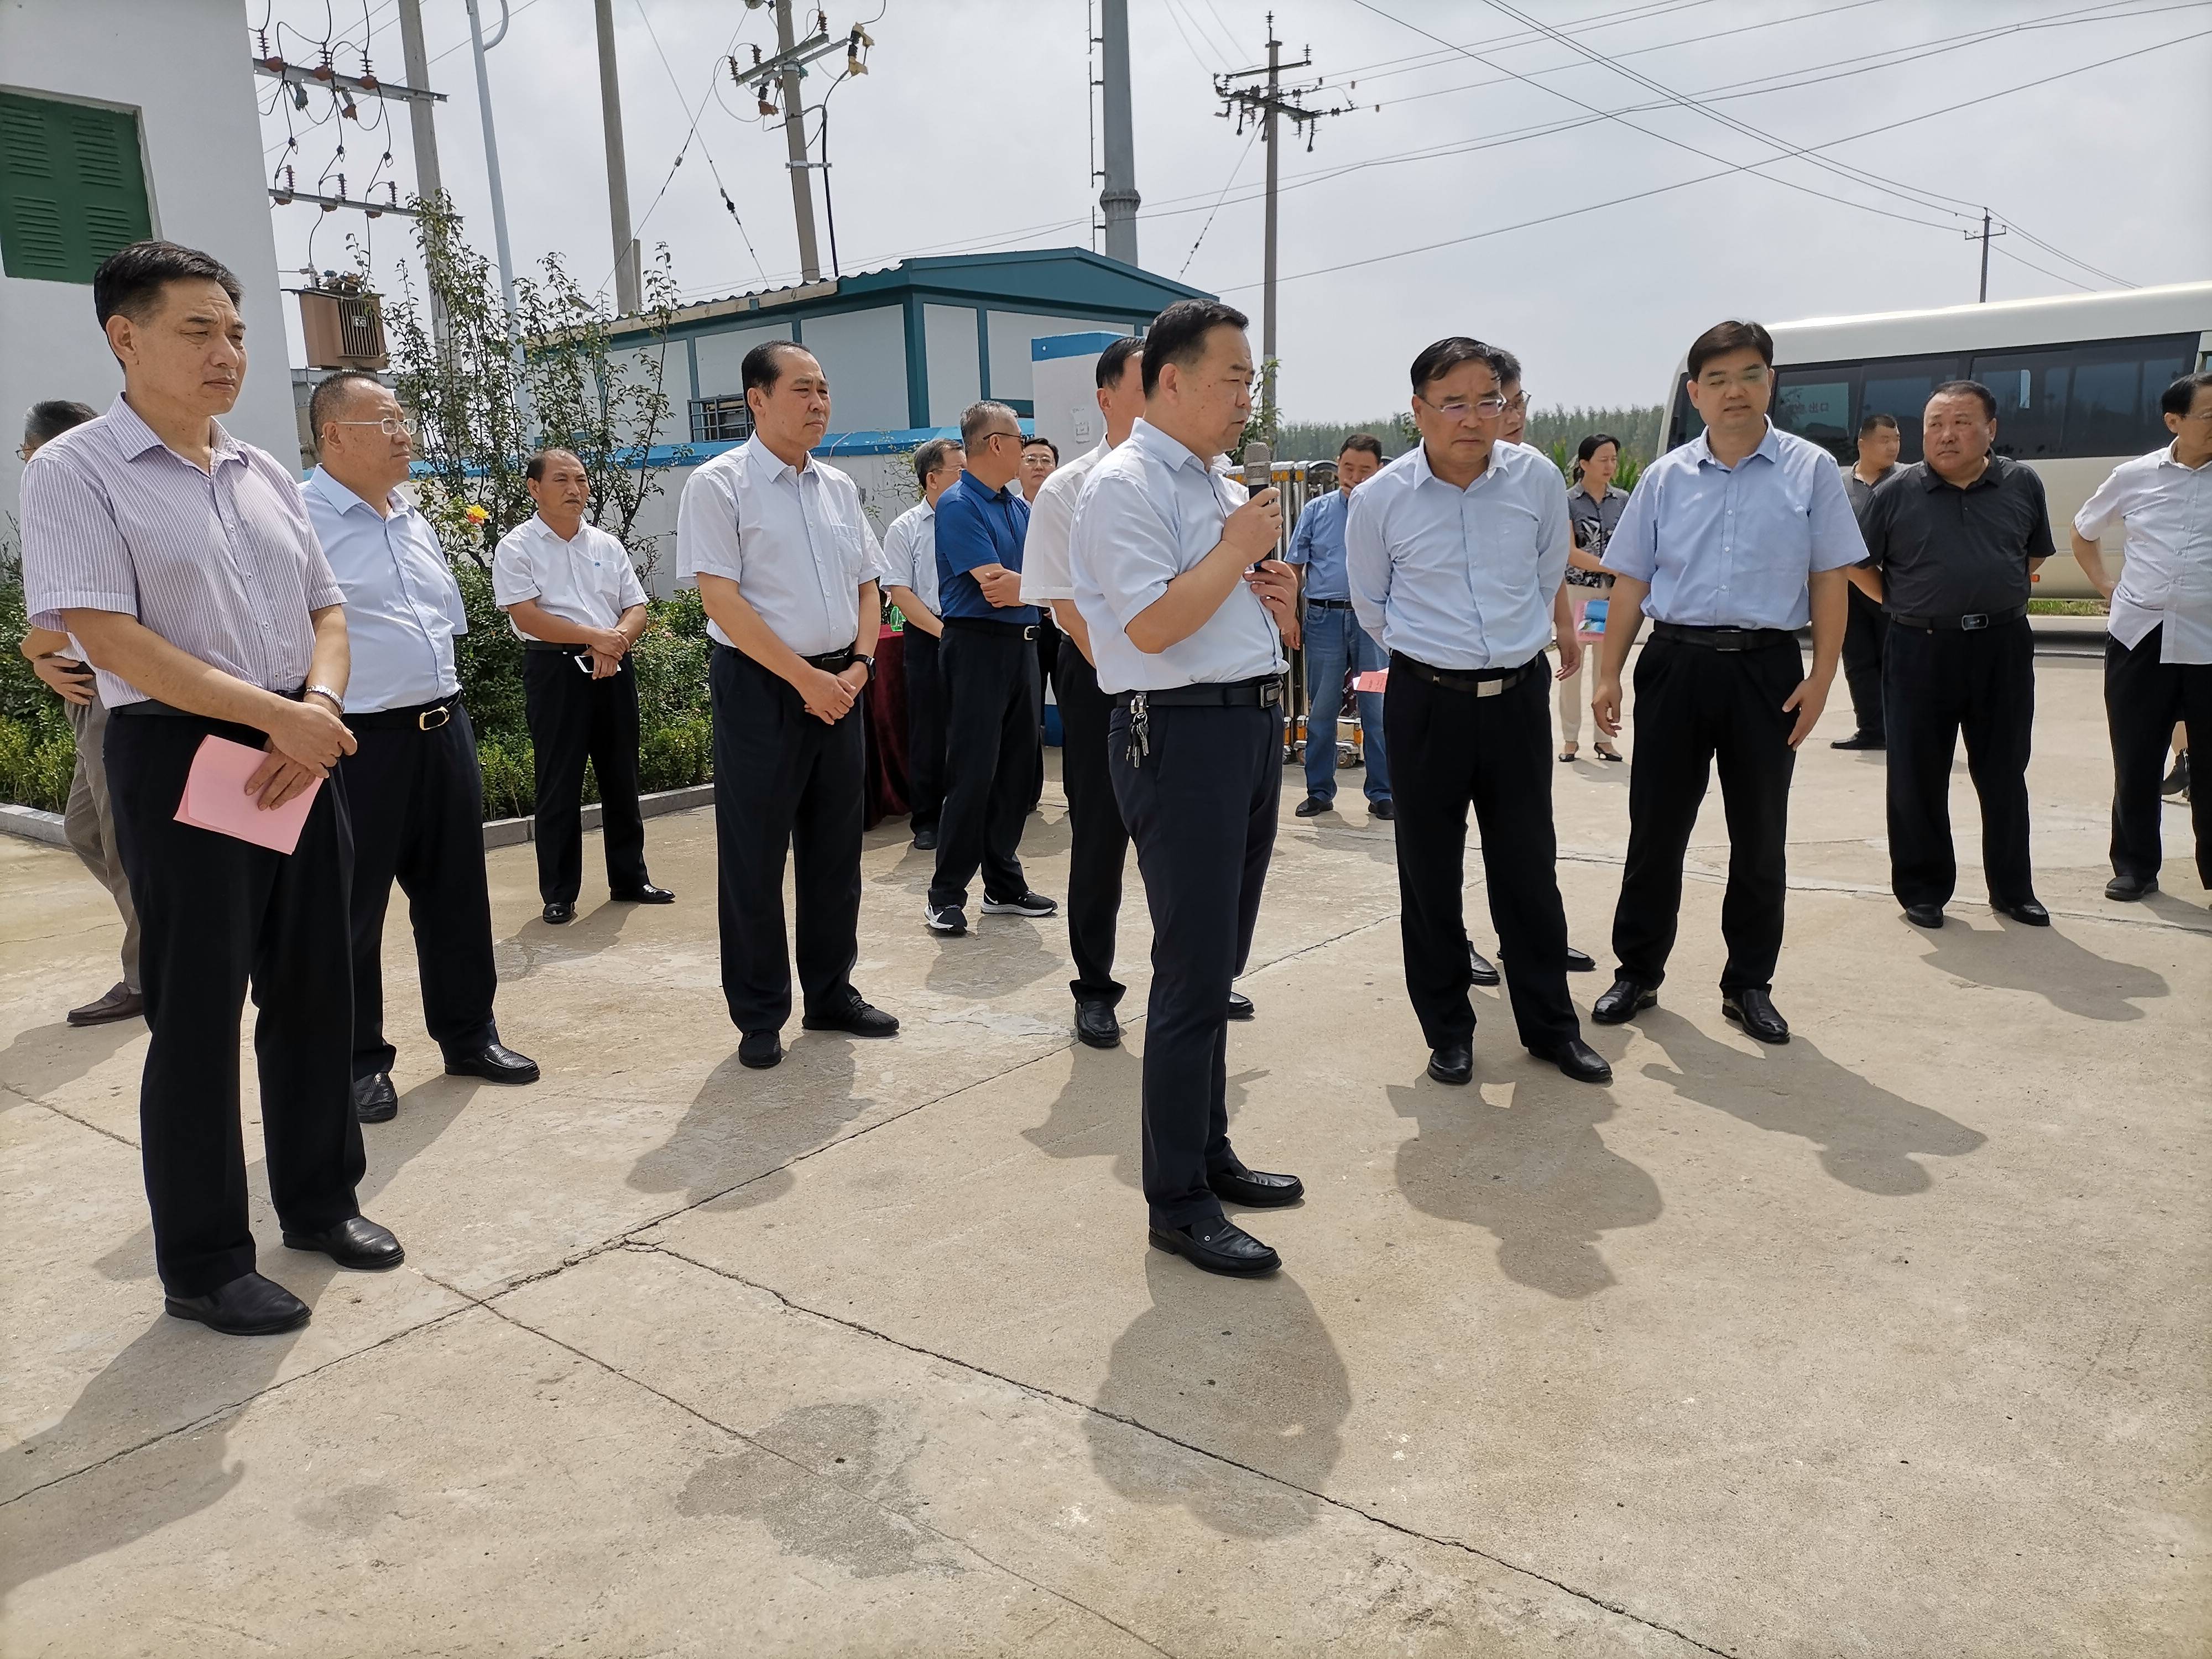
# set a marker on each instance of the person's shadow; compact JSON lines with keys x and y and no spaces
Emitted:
{"x":44,"y":1058}
{"x":1534,"y":1173}
{"x":537,"y":943}
{"x":1868,"y":1138}
{"x":1245,"y":1369}
{"x":744,"y":1127}
{"x":1096,"y":1113}
{"x":2043,"y":961}
{"x":1003,"y":954}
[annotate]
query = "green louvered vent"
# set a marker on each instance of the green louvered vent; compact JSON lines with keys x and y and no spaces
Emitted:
{"x":71,"y":188}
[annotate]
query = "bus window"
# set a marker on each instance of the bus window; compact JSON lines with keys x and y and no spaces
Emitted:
{"x":1899,"y":387}
{"x":1816,"y":404}
{"x":2097,"y":400}
{"x":1687,"y":422}
{"x":2030,"y":387}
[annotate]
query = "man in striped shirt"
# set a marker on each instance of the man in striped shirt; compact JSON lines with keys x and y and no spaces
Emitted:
{"x":183,"y":562}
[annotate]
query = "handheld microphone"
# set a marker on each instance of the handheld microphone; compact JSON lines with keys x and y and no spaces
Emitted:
{"x":1258,"y":473}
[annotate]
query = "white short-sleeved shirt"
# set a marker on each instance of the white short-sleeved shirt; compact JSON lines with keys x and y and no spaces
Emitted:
{"x":910,"y":553}
{"x":1045,"y":574}
{"x":2167,"y":509}
{"x":1151,"y":510}
{"x":796,"y":543}
{"x":1460,"y":579}
{"x":587,"y":580}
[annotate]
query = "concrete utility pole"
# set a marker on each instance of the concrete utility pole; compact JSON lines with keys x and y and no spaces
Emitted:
{"x":428,"y":181}
{"x":1984,"y":233}
{"x":1118,"y":201}
{"x":794,"y":144}
{"x":1264,"y":105}
{"x":629,"y":275}
{"x":491,"y":160}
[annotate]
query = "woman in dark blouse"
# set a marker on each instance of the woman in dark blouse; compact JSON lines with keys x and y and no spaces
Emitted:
{"x":1593,"y":507}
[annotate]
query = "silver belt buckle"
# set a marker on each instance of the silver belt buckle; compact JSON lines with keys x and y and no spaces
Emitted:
{"x":1970,"y":624}
{"x":431,"y":718}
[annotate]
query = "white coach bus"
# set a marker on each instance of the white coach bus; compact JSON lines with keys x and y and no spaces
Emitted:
{"x":2077,"y":383}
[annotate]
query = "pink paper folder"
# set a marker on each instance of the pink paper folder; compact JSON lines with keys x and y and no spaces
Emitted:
{"x":1375,"y":679}
{"x":215,"y":798}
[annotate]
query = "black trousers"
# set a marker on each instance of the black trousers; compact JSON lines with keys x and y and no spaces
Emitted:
{"x":991,"y":759}
{"x":217,"y":916}
{"x":1450,"y":748}
{"x":784,"y":783}
{"x":924,"y":728}
{"x":1695,"y":705}
{"x":2143,"y":699}
{"x":417,"y":803}
{"x":1865,"y":638}
{"x":1937,"y":683}
{"x":1048,"y":649}
{"x":1201,"y":809}
{"x":574,"y":718}
{"x":1099,"y":842}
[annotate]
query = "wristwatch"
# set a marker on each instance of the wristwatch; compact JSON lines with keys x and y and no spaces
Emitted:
{"x":337,"y":702}
{"x":870,"y":662}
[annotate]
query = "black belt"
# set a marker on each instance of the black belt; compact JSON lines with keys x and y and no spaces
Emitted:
{"x":1476,"y":682}
{"x":984,"y":625}
{"x":1266,"y":692}
{"x":1723,"y":639}
{"x":1328,"y":604}
{"x":553,"y":645}
{"x":1971,"y":624}
{"x":831,"y":662}
{"x":422,"y":717}
{"x":148,"y":706}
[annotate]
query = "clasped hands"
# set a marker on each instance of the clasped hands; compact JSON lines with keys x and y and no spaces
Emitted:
{"x":306,"y":739}
{"x":604,"y":649}
{"x":829,"y":697}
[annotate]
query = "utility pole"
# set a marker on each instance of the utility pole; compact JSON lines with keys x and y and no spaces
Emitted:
{"x":1265,"y":105}
{"x":629,"y":277}
{"x":794,"y":144}
{"x":1984,"y":235}
{"x":491,"y":163}
{"x":783,"y":71}
{"x":427,"y":181}
{"x":1118,"y":201}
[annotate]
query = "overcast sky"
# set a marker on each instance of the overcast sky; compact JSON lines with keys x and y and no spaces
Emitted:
{"x":1405,"y":222}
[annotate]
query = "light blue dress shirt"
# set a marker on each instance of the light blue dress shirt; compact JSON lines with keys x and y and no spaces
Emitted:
{"x":403,"y":608}
{"x":1460,"y":579}
{"x":1317,"y":544}
{"x":1731,"y":547}
{"x":1151,"y":510}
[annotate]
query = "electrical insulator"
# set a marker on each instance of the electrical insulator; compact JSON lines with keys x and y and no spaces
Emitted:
{"x":299,"y":94}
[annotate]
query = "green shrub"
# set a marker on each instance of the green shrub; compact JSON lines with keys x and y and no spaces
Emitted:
{"x":678,"y":755}
{"x":38,"y":758}
{"x":508,"y":788}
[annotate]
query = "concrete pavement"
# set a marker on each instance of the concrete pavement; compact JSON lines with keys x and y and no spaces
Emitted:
{"x":1887,"y":1342}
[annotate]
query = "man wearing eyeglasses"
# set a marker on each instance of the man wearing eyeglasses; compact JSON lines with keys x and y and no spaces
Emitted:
{"x":414,"y":784}
{"x":1728,"y":544}
{"x":989,"y":661}
{"x":1455,"y":553}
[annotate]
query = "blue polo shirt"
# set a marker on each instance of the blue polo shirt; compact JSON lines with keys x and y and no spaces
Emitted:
{"x":977,"y":525}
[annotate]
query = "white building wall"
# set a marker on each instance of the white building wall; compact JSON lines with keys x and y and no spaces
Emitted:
{"x":956,"y":371}
{"x":182,"y":65}
{"x":722,"y":355}
{"x":864,"y":355}
{"x":1011,"y":334}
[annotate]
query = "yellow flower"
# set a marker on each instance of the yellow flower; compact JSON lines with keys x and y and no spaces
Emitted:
{"x":477,"y":514}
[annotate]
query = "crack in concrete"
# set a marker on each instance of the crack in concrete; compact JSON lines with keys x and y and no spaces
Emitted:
{"x":81,"y":1123}
{"x":1208,"y":1453}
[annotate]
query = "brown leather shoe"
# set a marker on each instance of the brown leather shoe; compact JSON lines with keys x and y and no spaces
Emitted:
{"x":121,"y":1002}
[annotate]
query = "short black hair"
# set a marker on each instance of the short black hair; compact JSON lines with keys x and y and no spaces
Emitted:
{"x":1968,"y":389}
{"x":536,"y":470}
{"x":330,"y":397}
{"x":1031,"y":443}
{"x":1509,"y":367}
{"x":1113,"y":361}
{"x":1439,"y":360}
{"x":49,"y":420}
{"x":1722,"y":339}
{"x":2177,"y":397}
{"x":931,"y":457}
{"x":1365,"y":442}
{"x":1178,"y":335}
{"x":1877,"y":419}
{"x":764,"y":365}
{"x":130,"y":279}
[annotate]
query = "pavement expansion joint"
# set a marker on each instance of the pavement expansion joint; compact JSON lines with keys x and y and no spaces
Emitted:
{"x":81,"y":1122}
{"x":1089,"y":1408}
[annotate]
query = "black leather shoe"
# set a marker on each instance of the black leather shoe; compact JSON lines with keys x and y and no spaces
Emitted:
{"x":2131,"y":887}
{"x":760,"y":1050}
{"x":926,"y":840}
{"x":647,"y":894}
{"x":1622,"y":1001}
{"x":358,"y":1243}
{"x":1383,"y":810}
{"x":2027,"y":910}
{"x":1453,"y":1063}
{"x":1239,"y":1005}
{"x":560,"y":915}
{"x":1234,"y":1184}
{"x":1578,"y":1059}
{"x":494,"y":1063}
{"x":1754,"y":1011}
{"x":1924,"y":915}
{"x":1098,"y":1025}
{"x":374,"y":1099}
{"x":1580,"y":962}
{"x":1312,"y":807}
{"x":858,"y":1017}
{"x":248,"y":1306}
{"x":1480,"y":969}
{"x":1861,"y":740}
{"x":117,"y":1002}
{"x":1218,"y":1245}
